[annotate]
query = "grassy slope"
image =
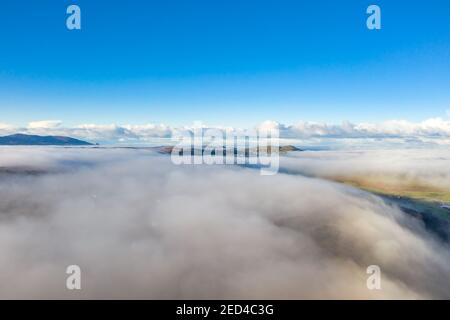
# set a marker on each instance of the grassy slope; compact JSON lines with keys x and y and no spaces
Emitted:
{"x":397,"y":187}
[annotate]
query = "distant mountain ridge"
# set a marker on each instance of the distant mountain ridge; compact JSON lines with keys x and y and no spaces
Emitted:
{"x":34,"y":140}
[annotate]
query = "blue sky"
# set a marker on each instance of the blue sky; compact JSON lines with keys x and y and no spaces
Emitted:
{"x":234,"y":62}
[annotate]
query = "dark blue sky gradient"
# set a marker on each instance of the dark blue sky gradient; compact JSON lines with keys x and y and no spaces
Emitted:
{"x":224,"y":62}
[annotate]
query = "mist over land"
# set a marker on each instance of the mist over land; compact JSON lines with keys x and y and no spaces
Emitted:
{"x":141,"y":227}
{"x":360,"y":88}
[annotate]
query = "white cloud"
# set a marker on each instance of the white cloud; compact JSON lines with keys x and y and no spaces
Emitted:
{"x":428,"y":167}
{"x":44,"y":124}
{"x":436,"y":130}
{"x":435,"y":127}
{"x":171,"y":232}
{"x":4,"y":127}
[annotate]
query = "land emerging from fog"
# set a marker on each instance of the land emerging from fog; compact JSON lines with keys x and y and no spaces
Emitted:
{"x":426,"y":202}
{"x":416,"y":181}
{"x":36,"y":140}
{"x":281,"y":150}
{"x":401,"y":186}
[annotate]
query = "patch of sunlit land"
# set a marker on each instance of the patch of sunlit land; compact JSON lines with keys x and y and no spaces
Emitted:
{"x":395,"y":186}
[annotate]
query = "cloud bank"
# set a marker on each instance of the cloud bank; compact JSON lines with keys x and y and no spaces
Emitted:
{"x":436,"y":130}
{"x":429,"y":167}
{"x":140,"y":227}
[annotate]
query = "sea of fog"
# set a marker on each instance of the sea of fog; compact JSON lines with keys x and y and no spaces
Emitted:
{"x":141,"y":227}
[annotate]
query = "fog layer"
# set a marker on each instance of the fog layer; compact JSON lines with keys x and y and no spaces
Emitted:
{"x":141,"y":227}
